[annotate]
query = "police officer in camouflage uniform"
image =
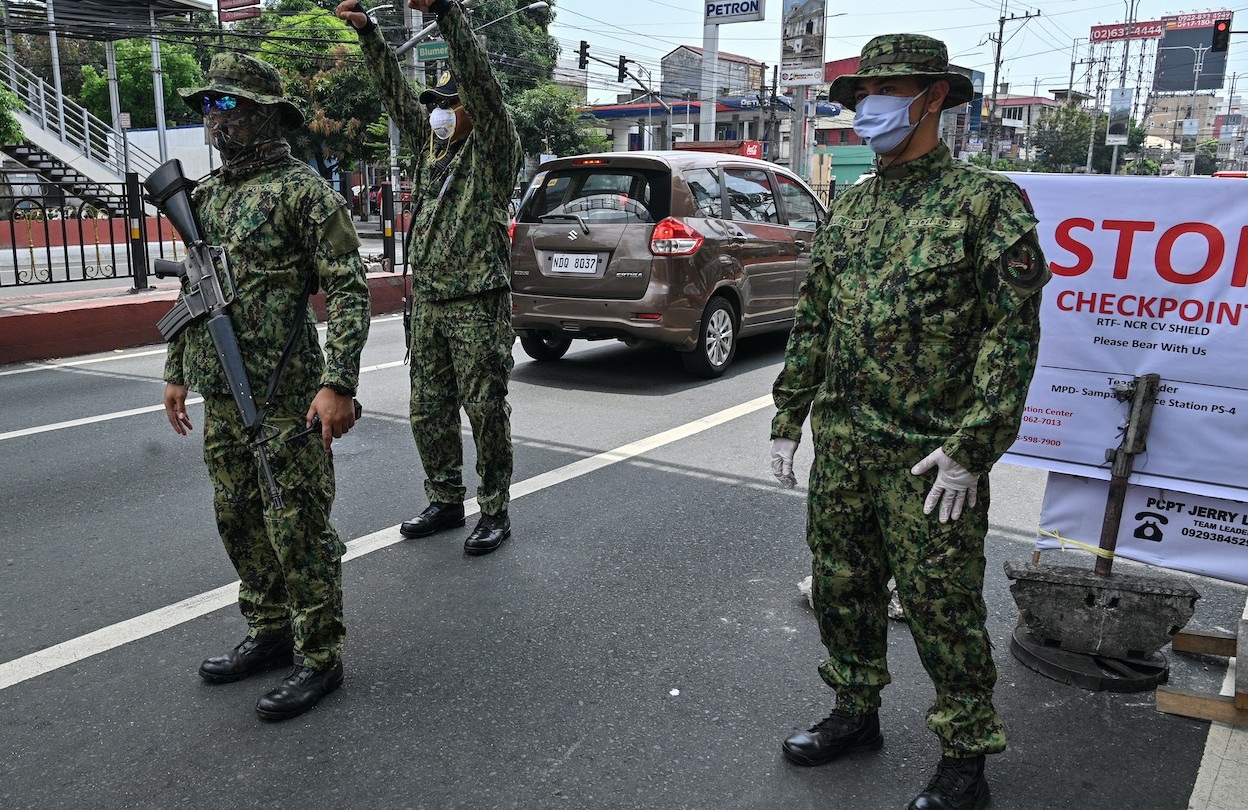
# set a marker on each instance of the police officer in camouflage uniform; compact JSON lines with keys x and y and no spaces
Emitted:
{"x":284,"y":230}
{"x":467,"y":154}
{"x":914,"y":344}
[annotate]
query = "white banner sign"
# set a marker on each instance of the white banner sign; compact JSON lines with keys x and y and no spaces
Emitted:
{"x":1149,"y":275}
{"x":1171,"y":529}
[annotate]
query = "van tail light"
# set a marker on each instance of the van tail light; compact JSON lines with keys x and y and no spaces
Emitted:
{"x":511,"y":231}
{"x":674,"y":238}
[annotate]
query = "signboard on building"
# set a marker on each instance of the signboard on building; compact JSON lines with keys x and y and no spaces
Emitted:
{"x":1184,"y":38}
{"x":1119,"y":128}
{"x":734,"y":11}
{"x":801,"y":42}
{"x":1119,"y":31}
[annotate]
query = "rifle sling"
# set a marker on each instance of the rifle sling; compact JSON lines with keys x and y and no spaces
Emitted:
{"x":291,"y":339}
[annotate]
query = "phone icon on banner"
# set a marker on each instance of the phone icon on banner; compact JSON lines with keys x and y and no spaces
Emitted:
{"x":1149,"y":530}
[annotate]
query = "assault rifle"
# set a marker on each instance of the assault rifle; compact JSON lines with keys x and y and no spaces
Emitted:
{"x":208,"y":290}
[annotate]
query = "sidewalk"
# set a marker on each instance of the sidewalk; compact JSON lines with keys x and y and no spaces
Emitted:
{"x":89,"y":317}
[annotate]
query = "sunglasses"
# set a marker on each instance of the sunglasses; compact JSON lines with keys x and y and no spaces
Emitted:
{"x":219,"y":103}
{"x":444,"y":104}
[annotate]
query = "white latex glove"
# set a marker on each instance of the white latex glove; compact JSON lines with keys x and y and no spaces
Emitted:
{"x":955,"y":485}
{"x":782,"y":452}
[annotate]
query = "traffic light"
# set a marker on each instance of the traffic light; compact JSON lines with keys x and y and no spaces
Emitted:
{"x":1221,"y":35}
{"x":623,"y":70}
{"x":583,"y":61}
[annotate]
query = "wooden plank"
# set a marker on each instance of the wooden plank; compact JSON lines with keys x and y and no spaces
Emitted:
{"x":1222,"y":644}
{"x":1241,"y":672}
{"x":1200,"y":705}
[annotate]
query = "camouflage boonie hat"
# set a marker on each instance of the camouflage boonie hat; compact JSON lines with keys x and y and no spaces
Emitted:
{"x":232,"y":74}
{"x":897,"y":55}
{"x":446,"y":88}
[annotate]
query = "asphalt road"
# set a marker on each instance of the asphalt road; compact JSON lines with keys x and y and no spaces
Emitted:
{"x":639,"y":643}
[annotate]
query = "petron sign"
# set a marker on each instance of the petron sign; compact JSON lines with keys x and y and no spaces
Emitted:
{"x":734,"y":11}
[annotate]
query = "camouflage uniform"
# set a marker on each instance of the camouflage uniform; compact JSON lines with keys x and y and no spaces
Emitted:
{"x":916,"y":329}
{"x":459,"y":251}
{"x":279,"y":223}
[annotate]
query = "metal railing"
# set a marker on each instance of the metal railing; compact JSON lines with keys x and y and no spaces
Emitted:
{"x":44,"y":241}
{"x":74,"y":125}
{"x":49,"y":239}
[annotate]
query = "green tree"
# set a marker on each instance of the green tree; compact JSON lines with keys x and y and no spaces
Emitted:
{"x":523,"y":52}
{"x":1144,"y":166}
{"x":136,"y":88}
{"x":10,"y":129}
{"x":1060,"y":138}
{"x":323,"y":71}
{"x":1206,"y":157}
{"x":547,"y":119}
{"x":1102,"y":155}
{"x":34,"y":52}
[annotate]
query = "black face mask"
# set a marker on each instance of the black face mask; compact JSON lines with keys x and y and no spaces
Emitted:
{"x":244,"y":133}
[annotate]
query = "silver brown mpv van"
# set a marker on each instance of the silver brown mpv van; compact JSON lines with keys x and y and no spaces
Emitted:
{"x":694,"y":250}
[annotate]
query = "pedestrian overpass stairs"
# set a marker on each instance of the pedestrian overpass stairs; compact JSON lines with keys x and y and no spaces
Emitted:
{"x":68,"y":146}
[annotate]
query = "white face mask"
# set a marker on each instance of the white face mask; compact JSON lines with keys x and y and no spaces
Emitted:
{"x":884,"y":121}
{"x":443,"y":123}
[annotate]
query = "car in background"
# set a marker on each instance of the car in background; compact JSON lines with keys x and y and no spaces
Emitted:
{"x":692,"y":250}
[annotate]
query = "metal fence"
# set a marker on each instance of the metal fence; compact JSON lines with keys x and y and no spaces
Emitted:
{"x":46,"y":239}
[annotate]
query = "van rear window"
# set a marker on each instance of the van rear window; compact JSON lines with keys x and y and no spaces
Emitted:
{"x":600,"y":194}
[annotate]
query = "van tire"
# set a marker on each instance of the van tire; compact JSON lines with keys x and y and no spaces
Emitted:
{"x":545,"y":350}
{"x":717,"y":341}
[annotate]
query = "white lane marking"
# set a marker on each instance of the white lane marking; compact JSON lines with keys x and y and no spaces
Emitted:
{"x":89,"y":420}
{"x":42,"y":366}
{"x":123,"y":354}
{"x":106,"y":417}
{"x":77,"y":649}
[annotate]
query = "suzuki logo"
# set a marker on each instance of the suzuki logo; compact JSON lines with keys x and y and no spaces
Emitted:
{"x":571,"y":236}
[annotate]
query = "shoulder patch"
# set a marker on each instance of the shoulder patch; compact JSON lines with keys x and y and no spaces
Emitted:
{"x":1023,"y":264}
{"x":340,"y":236}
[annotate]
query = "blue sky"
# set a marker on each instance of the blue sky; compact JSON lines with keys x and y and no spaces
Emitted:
{"x":1035,"y":54}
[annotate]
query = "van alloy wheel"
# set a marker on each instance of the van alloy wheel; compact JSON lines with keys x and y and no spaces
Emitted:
{"x":717,"y":340}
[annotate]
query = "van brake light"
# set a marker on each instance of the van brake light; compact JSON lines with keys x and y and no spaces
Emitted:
{"x":674,"y":238}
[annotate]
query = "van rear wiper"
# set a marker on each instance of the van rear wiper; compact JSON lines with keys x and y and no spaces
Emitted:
{"x":565,"y":218}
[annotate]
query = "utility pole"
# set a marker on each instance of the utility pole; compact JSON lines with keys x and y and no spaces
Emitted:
{"x":996,"y":75}
{"x":1122,"y":76}
{"x":767,"y":102}
{"x":1100,"y":84}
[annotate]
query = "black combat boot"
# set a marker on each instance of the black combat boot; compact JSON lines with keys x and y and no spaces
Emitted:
{"x":252,"y":655}
{"x":301,"y":690}
{"x":489,"y":534}
{"x":435,"y":518}
{"x":838,"y":733}
{"x":959,"y":784}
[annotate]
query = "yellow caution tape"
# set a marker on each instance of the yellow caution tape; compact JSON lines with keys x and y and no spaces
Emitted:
{"x":1066,"y":541}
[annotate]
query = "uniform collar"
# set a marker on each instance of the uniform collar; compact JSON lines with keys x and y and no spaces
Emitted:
{"x":933,"y":162}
